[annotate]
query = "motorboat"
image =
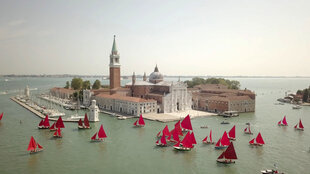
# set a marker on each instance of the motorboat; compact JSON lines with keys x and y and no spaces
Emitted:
{"x":296,"y":107}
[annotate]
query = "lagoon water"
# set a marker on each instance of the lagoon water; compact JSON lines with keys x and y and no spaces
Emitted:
{"x":132,"y":150}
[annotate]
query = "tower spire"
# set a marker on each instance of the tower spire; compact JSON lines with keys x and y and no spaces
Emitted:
{"x":114,"y":49}
{"x":156,"y":69}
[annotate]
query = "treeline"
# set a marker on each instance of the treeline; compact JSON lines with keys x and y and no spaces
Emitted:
{"x":79,"y":84}
{"x":231,"y":84}
{"x":305,"y":94}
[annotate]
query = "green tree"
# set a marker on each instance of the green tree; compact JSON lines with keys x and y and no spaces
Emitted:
{"x":234,"y":84}
{"x":97,"y":84}
{"x":86,"y":84}
{"x":67,"y":85}
{"x":76,"y":83}
{"x":305,"y":95}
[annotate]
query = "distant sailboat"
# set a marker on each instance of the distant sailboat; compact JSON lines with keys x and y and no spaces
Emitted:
{"x":258,"y":141}
{"x":57,"y":134}
{"x":178,"y":129}
{"x":186,"y":124}
{"x":186,"y":143}
{"x":44,"y":124}
{"x":228,"y":155}
{"x":34,"y":146}
{"x":53,"y":127}
{"x":59,"y":123}
{"x":166,"y":131}
{"x":223,"y":142}
{"x":162,"y":141}
{"x":232,"y":133}
{"x":158,"y":134}
{"x":283,"y":122}
{"x":247,"y":130}
{"x":101,"y":135}
{"x":139,"y":122}
{"x":40,"y":124}
{"x":86,"y":123}
{"x":205,"y":140}
{"x":299,"y":126}
{"x":193,"y":139}
{"x":1,"y":115}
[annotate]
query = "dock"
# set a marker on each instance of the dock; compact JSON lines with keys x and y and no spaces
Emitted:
{"x":37,"y":113}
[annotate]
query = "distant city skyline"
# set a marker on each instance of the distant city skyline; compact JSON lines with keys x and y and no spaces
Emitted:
{"x":184,"y":38}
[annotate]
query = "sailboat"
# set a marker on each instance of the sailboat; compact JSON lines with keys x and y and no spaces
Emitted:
{"x":228,"y":155}
{"x":101,"y":135}
{"x":258,"y":141}
{"x":247,"y":130}
{"x":178,"y":129}
{"x":139,"y":122}
{"x":193,"y":139}
{"x":86,"y":123}
{"x":162,"y":141}
{"x":186,"y":143}
{"x":53,"y":127}
{"x":59,"y":123}
{"x":40,"y":124}
{"x":166,"y":131}
{"x":232,"y":133}
{"x":299,"y":126}
{"x":223,"y":142}
{"x":57,"y":134}
{"x":186,"y":124}
{"x":33,"y":146}
{"x":205,"y":140}
{"x":158,"y":134}
{"x":283,"y":122}
{"x":175,"y":136}
{"x":1,"y":115}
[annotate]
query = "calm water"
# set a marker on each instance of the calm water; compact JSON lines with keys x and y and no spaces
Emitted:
{"x":132,"y":150}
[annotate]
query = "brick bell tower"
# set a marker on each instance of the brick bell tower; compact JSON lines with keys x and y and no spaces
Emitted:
{"x":115,"y":68}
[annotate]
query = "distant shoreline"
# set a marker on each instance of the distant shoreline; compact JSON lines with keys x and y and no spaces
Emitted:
{"x":140,"y":76}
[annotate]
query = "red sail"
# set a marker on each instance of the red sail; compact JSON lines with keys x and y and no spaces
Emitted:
{"x":163,"y":140}
{"x":193,"y":139}
{"x":94,"y":136}
{"x":300,"y":124}
{"x":55,"y":134}
{"x":41,"y":123}
{"x":80,"y":123}
{"x":225,"y":141}
{"x":158,"y":134}
{"x":211,"y":135}
{"x":245,"y":130}
{"x":205,"y":139}
{"x":279,"y":123}
{"x":32,"y":144}
{"x":230,"y":152}
{"x":141,"y":121}
{"x":86,"y":122}
{"x":259,"y":139}
{"x":295,"y":126}
{"x":178,"y":144}
{"x":59,"y":123}
{"x":39,"y":146}
{"x":284,"y":121}
{"x":52,"y":127}
{"x":252,"y":141}
{"x":186,"y":142}
{"x":46,"y":123}
{"x":101,"y":133}
{"x":186,"y":123}
{"x":1,"y":116}
{"x":175,"y":136}
{"x":59,"y":132}
{"x":166,"y":131}
{"x":232,"y":132}
{"x":135,"y":123}
{"x":157,"y":142}
{"x":218,"y":143}
{"x":221,"y":156}
{"x":178,"y":128}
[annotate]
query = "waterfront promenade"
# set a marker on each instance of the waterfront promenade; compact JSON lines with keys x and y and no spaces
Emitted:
{"x":175,"y":116}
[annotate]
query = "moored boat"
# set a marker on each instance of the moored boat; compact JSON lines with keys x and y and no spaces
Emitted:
{"x":33,"y":146}
{"x":258,"y":141}
{"x":299,"y":126}
{"x":228,"y":156}
{"x":283,"y":122}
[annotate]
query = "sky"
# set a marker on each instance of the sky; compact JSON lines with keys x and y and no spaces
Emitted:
{"x":201,"y":37}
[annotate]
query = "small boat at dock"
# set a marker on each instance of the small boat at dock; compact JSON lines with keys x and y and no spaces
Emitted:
{"x":228,"y":156}
{"x":299,"y":126}
{"x":258,"y":141}
{"x":33,"y":146}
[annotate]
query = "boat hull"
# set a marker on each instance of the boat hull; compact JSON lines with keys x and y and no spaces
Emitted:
{"x":39,"y":127}
{"x":207,"y":142}
{"x":182,"y":148}
{"x":36,"y":151}
{"x":161,"y":145}
{"x":232,"y":139}
{"x":225,"y":161}
{"x":220,"y":147}
{"x":248,"y":133}
{"x":83,"y":127}
{"x":256,"y":144}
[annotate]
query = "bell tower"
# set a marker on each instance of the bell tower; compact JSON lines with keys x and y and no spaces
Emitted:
{"x":115,"y":68}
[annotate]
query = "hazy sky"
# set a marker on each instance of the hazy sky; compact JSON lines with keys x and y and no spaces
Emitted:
{"x":233,"y":37}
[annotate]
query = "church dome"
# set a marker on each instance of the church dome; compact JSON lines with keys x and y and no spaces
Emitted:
{"x":156,"y":76}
